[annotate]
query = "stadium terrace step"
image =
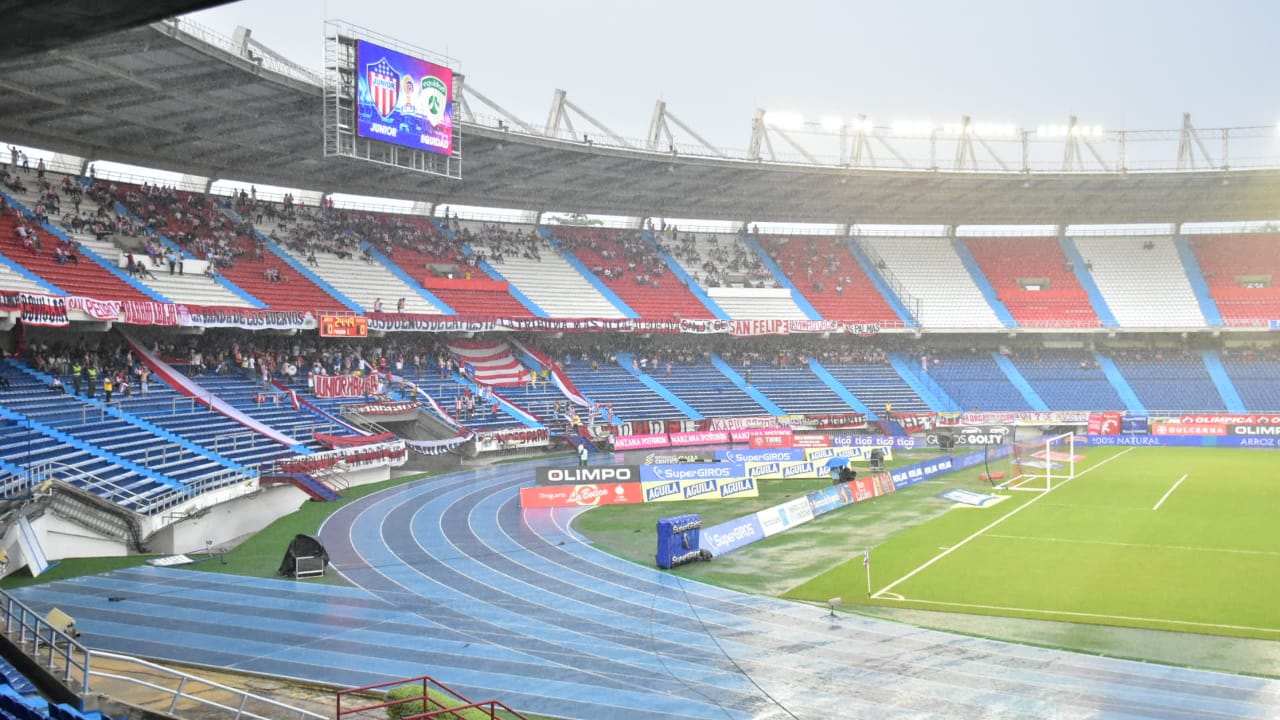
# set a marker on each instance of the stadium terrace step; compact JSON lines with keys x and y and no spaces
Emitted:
{"x":931,"y":273}
{"x":1142,"y":280}
{"x":824,"y":271}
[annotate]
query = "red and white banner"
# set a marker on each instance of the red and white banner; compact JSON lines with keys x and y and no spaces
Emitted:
{"x":640,"y":442}
{"x":383,"y":408}
{"x":750,"y":434}
{"x":345,"y":386}
{"x":97,"y":309}
{"x":147,"y":312}
{"x":1105,"y":423}
{"x":1027,"y":417}
{"x":361,"y":457}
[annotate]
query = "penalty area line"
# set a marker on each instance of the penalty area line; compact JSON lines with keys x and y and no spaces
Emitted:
{"x":1170,"y":492}
{"x":997,"y":521}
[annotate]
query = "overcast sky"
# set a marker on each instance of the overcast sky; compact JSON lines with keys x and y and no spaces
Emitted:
{"x":1120,"y":64}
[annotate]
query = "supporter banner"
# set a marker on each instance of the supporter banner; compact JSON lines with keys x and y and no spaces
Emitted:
{"x":552,"y":496}
{"x":640,"y":442}
{"x":343,"y":326}
{"x":703,"y":471}
{"x":743,"y":328}
{"x":336,"y":441}
{"x":1027,"y":417}
{"x":705,"y":489}
{"x":147,"y":312}
{"x":678,"y":458}
{"x":344,"y":386}
{"x":836,"y":421}
{"x":756,"y":328}
{"x":948,"y":419}
{"x":681,"y":439}
{"x":597,"y":474}
{"x":509,"y":439}
{"x":1231,"y":419}
{"x":760,"y":455}
{"x":383,"y":408}
{"x":811,"y":441}
{"x":97,"y":309}
{"x":763,"y":437}
{"x":1197,"y":429}
{"x":916,"y":422}
{"x":360,"y":457}
{"x":743,"y":423}
{"x":247,"y":318}
{"x":437,"y":447}
{"x":37,"y":309}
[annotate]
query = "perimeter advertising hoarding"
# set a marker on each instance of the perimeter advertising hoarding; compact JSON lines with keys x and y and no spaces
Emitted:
{"x":403,"y":100}
{"x":709,"y":489}
{"x":595,"y":474}
{"x":552,"y":496}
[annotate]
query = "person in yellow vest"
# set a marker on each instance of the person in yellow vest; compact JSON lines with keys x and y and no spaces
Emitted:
{"x":107,"y":387}
{"x":92,"y":385}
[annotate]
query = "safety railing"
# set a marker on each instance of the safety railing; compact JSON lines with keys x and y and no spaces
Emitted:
{"x":86,"y":671}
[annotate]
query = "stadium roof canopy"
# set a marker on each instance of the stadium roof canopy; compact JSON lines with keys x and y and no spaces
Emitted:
{"x":161,"y":97}
{"x":36,"y":25}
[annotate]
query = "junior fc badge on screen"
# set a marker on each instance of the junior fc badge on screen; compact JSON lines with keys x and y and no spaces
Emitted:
{"x":384,"y":86}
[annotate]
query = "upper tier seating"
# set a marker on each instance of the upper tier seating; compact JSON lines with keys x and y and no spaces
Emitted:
{"x":327,"y":241}
{"x":830,"y":278}
{"x":1011,"y":264}
{"x":471,"y":293}
{"x":11,"y":279}
{"x":1254,"y":376}
{"x":1242,"y":272}
{"x":611,"y":384}
{"x":632,"y":269}
{"x":1069,"y":381}
{"x":931,"y":272}
{"x":82,"y":277}
{"x":733,"y":276}
{"x":1142,"y":280}
{"x":1171,"y":384}
{"x":526,"y":260}
{"x":794,"y":389}
{"x":976,"y":382}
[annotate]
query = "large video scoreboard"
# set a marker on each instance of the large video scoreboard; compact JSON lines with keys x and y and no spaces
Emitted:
{"x":389,"y":103}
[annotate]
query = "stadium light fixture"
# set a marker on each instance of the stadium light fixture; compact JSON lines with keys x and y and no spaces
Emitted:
{"x":832,"y":123}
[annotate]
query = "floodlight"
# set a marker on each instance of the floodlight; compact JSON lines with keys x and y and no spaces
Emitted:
{"x":831,"y":123}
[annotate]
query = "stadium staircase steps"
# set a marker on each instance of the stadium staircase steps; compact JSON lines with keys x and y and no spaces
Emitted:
{"x":663,"y":297}
{"x":900,"y":382}
{"x":1121,"y":384}
{"x":1195,"y":276}
{"x":688,"y":281}
{"x":818,"y":268}
{"x":977,"y":382}
{"x":892,"y":291}
{"x":1254,"y":378}
{"x":842,"y":392}
{"x":737,"y":380}
{"x":615,"y":386}
{"x":87,"y":278}
{"x":930,"y":272}
{"x":1230,"y":265}
{"x":732,"y":290}
{"x":270,"y":407}
{"x":983,"y":284}
{"x":1172,"y":384}
{"x":1064,"y":383}
{"x":597,"y":283}
{"x":780,"y":278}
{"x":300,"y":289}
{"x":705,"y":388}
{"x":551,"y":283}
{"x":14,"y":277}
{"x":796,"y":389}
{"x":1040,"y":261}
{"x":110,"y":427}
{"x":358,"y":281}
{"x":1144,"y":288}
{"x":1231,"y":399}
{"x":307,"y":483}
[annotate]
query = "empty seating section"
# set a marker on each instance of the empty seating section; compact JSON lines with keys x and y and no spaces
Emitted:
{"x":1069,"y":381}
{"x":793,"y":389}
{"x":526,"y":260}
{"x":931,"y":272}
{"x":11,"y":279}
{"x":876,"y":384}
{"x":1013,"y":265}
{"x":1255,"y":380}
{"x":830,"y":278}
{"x":611,"y":384}
{"x":732,"y":274}
{"x":327,"y":242}
{"x":633,"y":270}
{"x":1142,"y":280}
{"x":1170,"y":384}
{"x":707,"y":390}
{"x":475,"y":295}
{"x":269,"y":407}
{"x":976,"y":382}
{"x":1242,"y":272}
{"x":82,"y":276}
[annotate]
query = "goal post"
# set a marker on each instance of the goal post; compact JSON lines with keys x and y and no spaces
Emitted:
{"x":1042,"y":464}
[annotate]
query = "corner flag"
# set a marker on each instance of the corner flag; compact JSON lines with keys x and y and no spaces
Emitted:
{"x":866,"y":558}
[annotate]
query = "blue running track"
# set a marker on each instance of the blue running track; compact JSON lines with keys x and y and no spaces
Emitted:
{"x":453,"y":580}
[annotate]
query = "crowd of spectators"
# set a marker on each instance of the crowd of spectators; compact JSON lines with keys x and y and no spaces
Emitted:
{"x":810,"y":262}
{"x":621,"y":253}
{"x":720,"y":260}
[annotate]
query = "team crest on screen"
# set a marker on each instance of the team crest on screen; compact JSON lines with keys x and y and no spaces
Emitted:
{"x":384,"y":86}
{"x":434,"y":99}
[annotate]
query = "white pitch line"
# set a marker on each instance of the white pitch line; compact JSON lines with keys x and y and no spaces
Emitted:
{"x":1166,"y":495}
{"x":1102,"y":616}
{"x":1191,"y":548}
{"x":965,"y":541}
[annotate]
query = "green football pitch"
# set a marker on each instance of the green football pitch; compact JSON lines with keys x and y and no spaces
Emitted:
{"x":1184,"y":539}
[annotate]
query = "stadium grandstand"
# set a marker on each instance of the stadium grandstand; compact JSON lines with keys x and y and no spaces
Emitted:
{"x":273,"y":327}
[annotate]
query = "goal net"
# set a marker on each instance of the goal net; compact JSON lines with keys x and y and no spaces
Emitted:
{"x":1043,"y":463}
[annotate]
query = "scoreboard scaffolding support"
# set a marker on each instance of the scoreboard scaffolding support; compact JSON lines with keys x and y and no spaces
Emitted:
{"x":411,"y":126}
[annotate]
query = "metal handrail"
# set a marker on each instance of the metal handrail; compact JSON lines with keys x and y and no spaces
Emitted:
{"x":73,"y":662}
